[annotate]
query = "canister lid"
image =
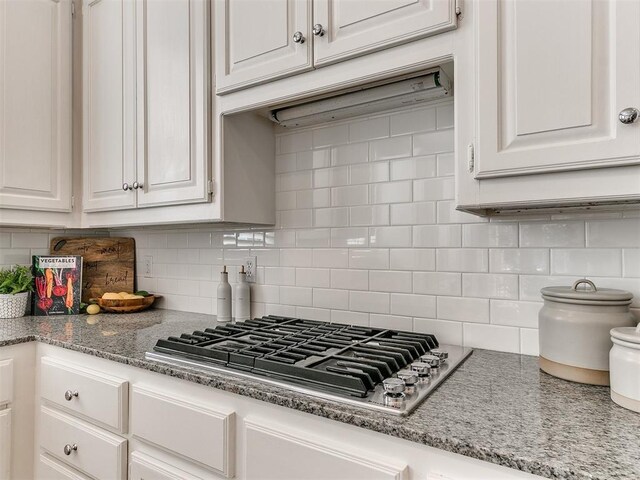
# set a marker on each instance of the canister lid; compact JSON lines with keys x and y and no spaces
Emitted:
{"x":589,"y":295}
{"x":627,"y":334}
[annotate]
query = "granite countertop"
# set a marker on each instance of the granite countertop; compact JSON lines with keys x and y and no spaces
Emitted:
{"x":496,"y":407}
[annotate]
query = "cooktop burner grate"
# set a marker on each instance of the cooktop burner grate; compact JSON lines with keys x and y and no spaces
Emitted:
{"x":348,"y":360}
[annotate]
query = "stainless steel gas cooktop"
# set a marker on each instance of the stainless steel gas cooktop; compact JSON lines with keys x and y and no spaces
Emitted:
{"x":387,"y":370}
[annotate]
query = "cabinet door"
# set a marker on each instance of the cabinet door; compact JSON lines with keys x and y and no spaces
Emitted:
{"x":109,"y":83}
{"x":254,"y":41}
{"x":35,"y":104}
{"x":173,"y":101}
{"x":5,"y":444}
{"x":144,"y":467}
{"x":356,"y":27}
{"x":282,"y":454}
{"x":552,"y":78}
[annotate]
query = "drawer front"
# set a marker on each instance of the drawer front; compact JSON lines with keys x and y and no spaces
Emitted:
{"x":5,"y":444}
{"x":51,"y":469}
{"x":144,"y":467}
{"x":99,"y":453}
{"x":100,"y":398}
{"x":6,"y":381}
{"x":169,"y":423}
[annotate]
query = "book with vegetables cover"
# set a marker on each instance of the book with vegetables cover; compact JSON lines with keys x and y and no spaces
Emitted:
{"x":57,"y":284}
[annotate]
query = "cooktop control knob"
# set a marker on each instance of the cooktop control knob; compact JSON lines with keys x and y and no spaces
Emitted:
{"x":393,"y":387}
{"x":409,"y":377}
{"x":422,"y":369}
{"x":432,"y":360}
{"x":440,"y":354}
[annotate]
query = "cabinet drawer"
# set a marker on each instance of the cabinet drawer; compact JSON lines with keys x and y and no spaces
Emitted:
{"x":169,"y":423}
{"x":5,"y":444}
{"x":6,"y":381}
{"x":144,"y":467}
{"x":99,"y":453}
{"x":51,"y":469}
{"x":101,"y":398}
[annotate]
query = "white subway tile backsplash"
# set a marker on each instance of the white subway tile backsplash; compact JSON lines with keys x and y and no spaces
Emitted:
{"x":463,"y":309}
{"x":350,"y":279}
{"x":390,"y":236}
{"x":390,"y":148}
{"x":433,"y":142}
{"x":447,"y":332}
{"x":330,"y":298}
{"x":515,"y":313}
{"x":347,"y":196}
{"x":350,"y":237}
{"x":441,"y":188}
{"x":330,"y":136}
{"x":413,"y":168}
{"x":437,"y":283}
{"x":391,"y":321}
{"x":412,"y":259}
{"x":614,"y":233}
{"x":492,"y":337}
{"x":391,"y":192}
{"x":522,"y":260}
{"x":349,"y":154}
{"x":489,"y":285}
{"x":370,"y":173}
{"x":556,"y":234}
{"x":581,"y":262}
{"x":371,"y":302}
{"x":369,"y":258}
{"x":369,"y":215}
{"x":369,"y":129}
{"x":462,"y":260}
{"x":390,"y":281}
{"x":413,"y":121}
{"x":490,"y":235}
{"x":437,"y":236}
{"x":413,"y":305}
{"x":367,"y":233}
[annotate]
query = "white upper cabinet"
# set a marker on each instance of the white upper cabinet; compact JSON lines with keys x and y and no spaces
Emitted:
{"x":539,"y":93}
{"x":256,"y":41}
{"x":261,"y":40}
{"x":346,"y":28}
{"x":146,"y":103}
{"x":35,"y":104}
{"x":173,"y":100}
{"x":552,"y":78}
{"x":109,"y":83}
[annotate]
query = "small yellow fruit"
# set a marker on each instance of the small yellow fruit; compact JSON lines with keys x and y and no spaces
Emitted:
{"x":93,"y":309}
{"x":111,"y":296}
{"x":124,"y":294}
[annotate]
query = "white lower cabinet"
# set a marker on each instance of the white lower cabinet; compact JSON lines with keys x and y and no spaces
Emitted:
{"x":51,"y":469}
{"x":145,"y":467}
{"x":90,"y":449}
{"x":5,"y":444}
{"x":280,"y":453}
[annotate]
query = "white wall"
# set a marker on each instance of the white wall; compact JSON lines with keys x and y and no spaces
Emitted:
{"x":367,"y":233}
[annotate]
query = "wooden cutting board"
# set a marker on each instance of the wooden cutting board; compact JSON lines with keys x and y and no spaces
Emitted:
{"x":108,"y":263}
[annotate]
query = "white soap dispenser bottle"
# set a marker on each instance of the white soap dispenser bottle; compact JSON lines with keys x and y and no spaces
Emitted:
{"x":243,"y":297}
{"x":224,"y":297}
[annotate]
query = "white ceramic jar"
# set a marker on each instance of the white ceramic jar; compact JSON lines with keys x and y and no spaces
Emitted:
{"x":574,"y":326}
{"x":624,"y":361}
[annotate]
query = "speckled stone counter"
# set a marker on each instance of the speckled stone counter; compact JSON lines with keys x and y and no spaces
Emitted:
{"x":496,"y":407}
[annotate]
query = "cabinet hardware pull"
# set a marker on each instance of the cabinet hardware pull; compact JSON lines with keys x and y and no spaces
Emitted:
{"x":318,"y":30}
{"x":628,"y":115}
{"x":298,"y":37}
{"x":69,"y":394}
{"x":70,"y":448}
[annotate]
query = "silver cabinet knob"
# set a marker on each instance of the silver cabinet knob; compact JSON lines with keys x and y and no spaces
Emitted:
{"x":136,"y":185}
{"x":318,"y":30}
{"x":298,"y":37}
{"x":126,"y":186}
{"x":393,"y":386}
{"x":70,"y":448}
{"x":629,"y":115}
{"x":69,"y":394}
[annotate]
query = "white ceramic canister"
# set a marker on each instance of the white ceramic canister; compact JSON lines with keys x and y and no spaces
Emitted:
{"x":624,"y":361}
{"x":574,"y":326}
